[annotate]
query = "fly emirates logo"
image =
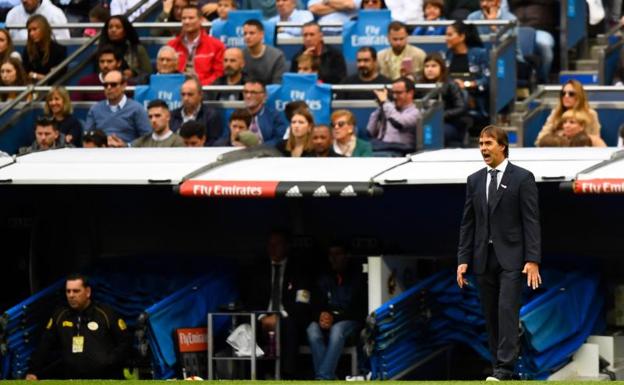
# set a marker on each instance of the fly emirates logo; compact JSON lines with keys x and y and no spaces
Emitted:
{"x":225,"y":190}
{"x":229,"y":189}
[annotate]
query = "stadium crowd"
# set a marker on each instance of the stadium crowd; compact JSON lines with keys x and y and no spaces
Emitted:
{"x":462,"y":73}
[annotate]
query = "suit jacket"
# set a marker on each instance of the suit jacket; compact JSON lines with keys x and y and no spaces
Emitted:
{"x":210,"y":118}
{"x":295,"y":280}
{"x":272,"y":125}
{"x":515,"y":226}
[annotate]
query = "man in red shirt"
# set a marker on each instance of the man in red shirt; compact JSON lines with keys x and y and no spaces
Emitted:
{"x":199,"y":53}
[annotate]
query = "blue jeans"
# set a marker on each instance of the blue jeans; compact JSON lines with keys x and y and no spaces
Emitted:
{"x":545,"y":44}
{"x":325,"y":355}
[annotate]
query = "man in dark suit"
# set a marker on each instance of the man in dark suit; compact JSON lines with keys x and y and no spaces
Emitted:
{"x":500,"y":237}
{"x":283,"y":286}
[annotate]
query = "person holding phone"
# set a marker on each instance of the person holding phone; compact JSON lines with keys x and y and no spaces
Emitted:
{"x":401,"y":59}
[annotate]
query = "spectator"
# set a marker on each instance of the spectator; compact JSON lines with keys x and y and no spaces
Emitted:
{"x":42,"y":53}
{"x":121,"y":35}
{"x":263,"y":62}
{"x":555,"y":140}
{"x":268,"y":8}
{"x":266,"y":123}
{"x":455,"y":111}
{"x":224,"y":7}
{"x":582,"y":140}
{"x":47,"y":137}
{"x":167,"y":61}
{"x":59,"y":108}
{"x":239,"y":121}
{"x":290,"y":109}
{"x":322,"y":142}
{"x":491,"y":10}
{"x":287,"y":12}
{"x":333,"y":68}
{"x":109,"y":59}
{"x":393,"y":124}
{"x":572,"y":97}
{"x":340,"y":309}
{"x":284,"y":285}
{"x":233,"y":75}
{"x":308,"y":64}
{"x":406,"y":11}
{"x":299,"y":141}
{"x":161,"y":135}
{"x":121,"y":7}
{"x":96,"y":346}
{"x":367,"y":73}
{"x":434,"y":11}
{"x":373,"y":4}
{"x":97,"y":14}
{"x":19,"y":14}
{"x":94,"y":139}
{"x":12,"y":74}
{"x":334,"y":11}
{"x":193,"y":109}
{"x":346,"y":143}
{"x":469,"y":67}
{"x":401,"y":58}
{"x":198,"y":52}
{"x":193,"y":134}
{"x":208,"y":9}
{"x":543,"y":16}
{"x":121,"y":118}
{"x":574,"y":122}
{"x":171,"y":13}
{"x":7,"y":49}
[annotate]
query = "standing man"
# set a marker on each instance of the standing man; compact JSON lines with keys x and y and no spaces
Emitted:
{"x":333,"y":68}
{"x":401,"y":58}
{"x":367,"y":73}
{"x":263,"y":61}
{"x":500,"y":238}
{"x":161,"y":135}
{"x":199,"y":53}
{"x":91,"y":338}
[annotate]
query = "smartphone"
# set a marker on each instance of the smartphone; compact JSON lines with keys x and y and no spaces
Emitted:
{"x":407,"y":66}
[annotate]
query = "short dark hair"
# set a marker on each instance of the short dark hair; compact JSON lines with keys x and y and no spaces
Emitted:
{"x":312,"y":24}
{"x":78,"y":276}
{"x":291,"y":107}
{"x":581,"y":140}
{"x":192,"y":128}
{"x":109,"y":49}
{"x":396,"y":26}
{"x":256,"y":23}
{"x":241,"y":114}
{"x":409,"y":83}
{"x":44,"y":121}
{"x":499,"y":134}
{"x":97,"y":137}
{"x":192,"y":6}
{"x":158,"y":103}
{"x":256,"y":81}
{"x":370,"y":49}
{"x":99,"y":12}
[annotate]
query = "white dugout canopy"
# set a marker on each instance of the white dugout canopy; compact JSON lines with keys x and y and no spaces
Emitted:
{"x":223,"y":172}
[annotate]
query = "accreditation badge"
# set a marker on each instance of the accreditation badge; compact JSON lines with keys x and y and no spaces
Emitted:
{"x":77,"y":344}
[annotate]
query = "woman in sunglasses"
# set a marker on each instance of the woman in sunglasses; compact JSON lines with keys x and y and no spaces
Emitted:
{"x":346,"y":143}
{"x":572,"y":97}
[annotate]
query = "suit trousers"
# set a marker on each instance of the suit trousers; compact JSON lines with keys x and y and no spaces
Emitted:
{"x":500,"y":292}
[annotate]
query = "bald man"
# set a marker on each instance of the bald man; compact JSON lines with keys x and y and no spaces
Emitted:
{"x":233,"y":75}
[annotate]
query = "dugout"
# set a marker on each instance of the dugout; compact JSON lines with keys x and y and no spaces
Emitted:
{"x":63,"y":210}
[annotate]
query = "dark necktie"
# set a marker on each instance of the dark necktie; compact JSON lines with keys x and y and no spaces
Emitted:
{"x":275,"y":288}
{"x":492,"y":188}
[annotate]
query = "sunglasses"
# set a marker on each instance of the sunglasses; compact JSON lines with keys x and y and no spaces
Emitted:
{"x":339,"y":124}
{"x":568,"y":93}
{"x":110,"y":84}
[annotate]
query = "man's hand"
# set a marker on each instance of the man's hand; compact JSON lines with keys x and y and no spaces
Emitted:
{"x":269,"y":322}
{"x":326,"y":320}
{"x":114,"y":141}
{"x":461,"y":270}
{"x":31,"y":377}
{"x":534,"y":280}
{"x":382,"y":95}
{"x":311,"y":51}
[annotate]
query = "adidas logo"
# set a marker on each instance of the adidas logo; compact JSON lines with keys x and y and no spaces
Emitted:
{"x":321,"y":192}
{"x":348,"y":192}
{"x":294,"y":192}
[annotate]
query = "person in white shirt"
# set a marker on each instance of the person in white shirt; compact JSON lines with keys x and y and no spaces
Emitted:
{"x":19,"y":14}
{"x":120,"y":7}
{"x":287,"y":12}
